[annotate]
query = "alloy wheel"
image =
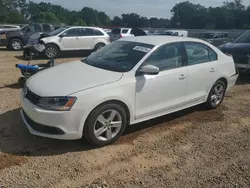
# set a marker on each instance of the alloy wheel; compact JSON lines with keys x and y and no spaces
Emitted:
{"x":107,"y":125}
{"x":16,"y":45}
{"x":51,"y":52}
{"x":217,"y":94}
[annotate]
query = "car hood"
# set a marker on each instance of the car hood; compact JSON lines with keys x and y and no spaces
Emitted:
{"x":236,"y":48}
{"x":69,"y":78}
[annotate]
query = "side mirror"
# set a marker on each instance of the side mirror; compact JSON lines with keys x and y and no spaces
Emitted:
{"x":148,"y":70}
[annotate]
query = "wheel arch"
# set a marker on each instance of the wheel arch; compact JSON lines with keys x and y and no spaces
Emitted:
{"x":15,"y":37}
{"x":116,"y":101}
{"x":222,"y":78}
{"x":52,"y":43}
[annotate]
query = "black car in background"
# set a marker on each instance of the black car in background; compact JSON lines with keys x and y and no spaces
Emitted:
{"x":240,"y":50}
{"x":216,"y":38}
{"x":15,"y":40}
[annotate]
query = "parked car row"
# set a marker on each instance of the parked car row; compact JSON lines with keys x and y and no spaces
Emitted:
{"x":16,"y":39}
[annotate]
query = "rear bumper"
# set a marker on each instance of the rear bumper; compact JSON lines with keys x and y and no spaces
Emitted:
{"x":232,"y":80}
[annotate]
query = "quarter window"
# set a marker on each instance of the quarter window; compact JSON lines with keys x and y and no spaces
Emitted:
{"x":166,"y":57}
{"x":98,"y":33}
{"x":212,"y":55}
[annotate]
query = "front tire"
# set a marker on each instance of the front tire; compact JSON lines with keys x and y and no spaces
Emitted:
{"x":51,"y":51}
{"x":216,"y":95}
{"x":15,"y":45}
{"x":105,"y":124}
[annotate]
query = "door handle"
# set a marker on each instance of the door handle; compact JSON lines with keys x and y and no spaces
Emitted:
{"x":212,"y":70}
{"x":182,"y":77}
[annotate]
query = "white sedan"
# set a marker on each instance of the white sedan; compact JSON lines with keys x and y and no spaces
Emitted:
{"x":126,"y":82}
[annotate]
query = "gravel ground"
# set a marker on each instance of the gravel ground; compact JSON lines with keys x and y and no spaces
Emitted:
{"x":191,"y":148}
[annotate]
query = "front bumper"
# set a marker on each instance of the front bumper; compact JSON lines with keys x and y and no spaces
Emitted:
{"x":65,"y":125}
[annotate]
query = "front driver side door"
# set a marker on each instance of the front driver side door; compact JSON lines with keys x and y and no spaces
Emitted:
{"x":165,"y":92}
{"x":70,"y":39}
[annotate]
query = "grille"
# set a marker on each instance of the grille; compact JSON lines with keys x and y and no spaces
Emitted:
{"x":32,"y":97}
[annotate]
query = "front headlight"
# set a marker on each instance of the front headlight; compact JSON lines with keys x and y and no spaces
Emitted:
{"x":57,"y":103}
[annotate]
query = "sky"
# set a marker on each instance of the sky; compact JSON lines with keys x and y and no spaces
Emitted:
{"x":147,"y":8}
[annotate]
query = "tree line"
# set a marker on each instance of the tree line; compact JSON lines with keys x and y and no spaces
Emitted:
{"x":231,"y":15}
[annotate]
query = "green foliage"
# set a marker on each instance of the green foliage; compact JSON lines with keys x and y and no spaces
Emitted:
{"x":79,"y":22}
{"x":48,"y":17}
{"x":231,"y":15}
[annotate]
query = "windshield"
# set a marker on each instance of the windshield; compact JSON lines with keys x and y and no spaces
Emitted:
{"x":206,"y":35}
{"x":119,"y":56}
{"x":56,"y":32}
{"x":244,"y":38}
{"x":24,"y":27}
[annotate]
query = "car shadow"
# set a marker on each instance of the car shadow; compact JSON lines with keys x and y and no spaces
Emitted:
{"x":243,"y":79}
{"x":4,"y":49}
{"x":17,"y":85}
{"x":15,"y":138}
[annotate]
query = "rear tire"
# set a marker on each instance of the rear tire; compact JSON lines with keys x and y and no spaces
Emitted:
{"x":15,"y":44}
{"x":216,"y":95}
{"x":51,"y":51}
{"x":110,"y":129}
{"x":99,"y":46}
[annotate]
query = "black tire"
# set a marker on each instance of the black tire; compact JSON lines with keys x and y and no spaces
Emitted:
{"x":210,"y":103}
{"x":51,"y":51}
{"x":15,"y":44}
{"x":99,"y":46}
{"x":88,"y":131}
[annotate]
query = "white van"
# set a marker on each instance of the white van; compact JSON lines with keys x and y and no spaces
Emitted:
{"x":181,"y":33}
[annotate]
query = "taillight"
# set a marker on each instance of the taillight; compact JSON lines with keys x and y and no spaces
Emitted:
{"x":120,"y":35}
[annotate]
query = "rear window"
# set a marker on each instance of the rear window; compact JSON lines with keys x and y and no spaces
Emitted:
{"x":124,"y":31}
{"x":119,"y":56}
{"x":116,"y":31}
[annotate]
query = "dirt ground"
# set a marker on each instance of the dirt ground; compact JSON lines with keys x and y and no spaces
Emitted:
{"x":191,"y":148}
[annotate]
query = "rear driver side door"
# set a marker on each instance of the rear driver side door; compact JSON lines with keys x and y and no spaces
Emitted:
{"x":202,"y":71}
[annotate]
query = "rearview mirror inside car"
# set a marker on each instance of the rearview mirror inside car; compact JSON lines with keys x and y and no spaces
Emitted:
{"x":148,"y":70}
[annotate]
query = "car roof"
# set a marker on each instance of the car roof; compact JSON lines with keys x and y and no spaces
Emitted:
{"x":85,"y":27}
{"x":160,"y":40}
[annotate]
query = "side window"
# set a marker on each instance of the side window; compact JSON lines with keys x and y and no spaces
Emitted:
{"x":98,"y":33}
{"x":37,"y":28}
{"x":166,"y":57}
{"x":90,"y":32}
{"x":225,"y":35}
{"x":212,"y":55}
{"x":72,"y":32}
{"x":46,"y":28}
{"x":196,"y":53}
{"x":124,"y":31}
